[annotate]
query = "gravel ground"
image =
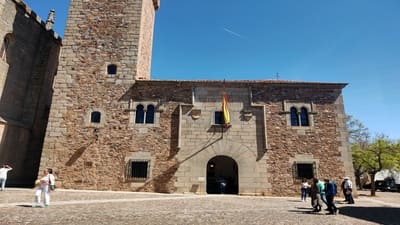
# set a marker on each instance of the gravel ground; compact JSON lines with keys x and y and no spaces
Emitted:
{"x":95,"y":207}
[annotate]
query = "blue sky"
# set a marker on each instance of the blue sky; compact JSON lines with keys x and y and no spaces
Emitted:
{"x":355,"y":42}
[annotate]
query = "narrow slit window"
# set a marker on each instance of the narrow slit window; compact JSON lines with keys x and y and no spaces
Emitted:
{"x":139,"y":114}
{"x":150,"y":114}
{"x":294,"y":118}
{"x":304,"y":117}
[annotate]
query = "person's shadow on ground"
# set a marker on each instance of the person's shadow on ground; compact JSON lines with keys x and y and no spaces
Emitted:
{"x":380,"y":215}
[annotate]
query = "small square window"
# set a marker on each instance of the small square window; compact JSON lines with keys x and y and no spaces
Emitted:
{"x":304,"y":170}
{"x":138,"y":170}
{"x":112,"y":69}
{"x":95,"y":117}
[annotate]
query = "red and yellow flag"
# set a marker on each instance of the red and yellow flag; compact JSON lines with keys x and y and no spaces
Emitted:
{"x":225,"y":110}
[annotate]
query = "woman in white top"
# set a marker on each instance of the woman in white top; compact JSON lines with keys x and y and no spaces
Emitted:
{"x":304,"y":189}
{"x":44,"y":187}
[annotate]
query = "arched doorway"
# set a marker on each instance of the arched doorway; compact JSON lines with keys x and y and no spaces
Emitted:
{"x":222,"y":175}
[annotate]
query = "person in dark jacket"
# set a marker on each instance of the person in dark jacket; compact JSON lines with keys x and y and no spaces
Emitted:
{"x":330,"y":192}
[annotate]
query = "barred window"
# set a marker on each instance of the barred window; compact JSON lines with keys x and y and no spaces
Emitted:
{"x":304,"y":170}
{"x":138,"y":170}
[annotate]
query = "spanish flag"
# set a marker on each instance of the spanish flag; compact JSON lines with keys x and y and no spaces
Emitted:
{"x":225,"y":110}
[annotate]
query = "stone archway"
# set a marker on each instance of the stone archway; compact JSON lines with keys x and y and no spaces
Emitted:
{"x":222,"y":175}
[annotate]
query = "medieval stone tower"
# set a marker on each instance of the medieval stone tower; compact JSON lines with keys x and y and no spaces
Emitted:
{"x":107,"y":46}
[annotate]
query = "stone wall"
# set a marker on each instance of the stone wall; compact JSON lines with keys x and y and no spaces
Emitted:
{"x":178,"y":146}
{"x":98,"y":33}
{"x":29,"y":58}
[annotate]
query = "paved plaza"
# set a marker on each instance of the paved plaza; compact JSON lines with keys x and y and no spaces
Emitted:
{"x":96,"y":207}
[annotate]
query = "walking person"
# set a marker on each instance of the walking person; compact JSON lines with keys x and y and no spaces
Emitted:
{"x":344,"y":190}
{"x":3,"y":175}
{"x":304,"y":189}
{"x":321,"y":186}
{"x":330,"y":192}
{"x":44,"y":188}
{"x":316,"y":201}
{"x":348,"y":187}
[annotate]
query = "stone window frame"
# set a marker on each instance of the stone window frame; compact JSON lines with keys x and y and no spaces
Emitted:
{"x":88,"y":118}
{"x":157,"y":113}
{"x":288,"y":105}
{"x":296,"y":172}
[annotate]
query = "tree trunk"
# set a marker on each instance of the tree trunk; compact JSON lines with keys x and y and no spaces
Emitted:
{"x":373,"y":184}
{"x":358,"y":181}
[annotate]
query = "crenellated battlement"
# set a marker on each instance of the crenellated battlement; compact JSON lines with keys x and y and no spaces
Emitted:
{"x":29,"y":12}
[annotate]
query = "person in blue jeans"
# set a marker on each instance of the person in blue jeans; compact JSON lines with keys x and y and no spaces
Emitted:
{"x":304,"y":189}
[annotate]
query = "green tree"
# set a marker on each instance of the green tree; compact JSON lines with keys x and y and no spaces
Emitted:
{"x":359,"y":140}
{"x":380,"y":154}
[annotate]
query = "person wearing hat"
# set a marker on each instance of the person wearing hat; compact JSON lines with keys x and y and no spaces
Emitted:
{"x":348,"y":188}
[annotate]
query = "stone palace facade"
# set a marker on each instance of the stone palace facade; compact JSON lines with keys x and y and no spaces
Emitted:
{"x":111,"y":127}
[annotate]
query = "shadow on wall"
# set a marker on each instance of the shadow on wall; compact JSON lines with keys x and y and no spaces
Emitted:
{"x":163,"y":183}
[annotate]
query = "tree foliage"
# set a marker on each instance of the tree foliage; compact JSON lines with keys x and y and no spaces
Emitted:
{"x":371,"y":156}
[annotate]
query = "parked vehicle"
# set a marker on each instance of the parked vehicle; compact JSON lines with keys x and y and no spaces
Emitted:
{"x":388,"y":184}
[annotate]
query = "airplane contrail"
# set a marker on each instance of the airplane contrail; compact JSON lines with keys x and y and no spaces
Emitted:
{"x":233,"y":33}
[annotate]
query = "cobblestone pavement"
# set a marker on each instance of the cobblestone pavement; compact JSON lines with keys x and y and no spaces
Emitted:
{"x":95,"y":207}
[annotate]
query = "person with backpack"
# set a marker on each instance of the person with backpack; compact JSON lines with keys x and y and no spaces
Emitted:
{"x":330,"y":192}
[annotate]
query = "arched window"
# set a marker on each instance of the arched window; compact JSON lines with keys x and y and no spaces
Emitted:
{"x":95,"y":117}
{"x":112,"y":69}
{"x":294,"y":118}
{"x":139,"y":114}
{"x":304,"y":117}
{"x":150,"y":114}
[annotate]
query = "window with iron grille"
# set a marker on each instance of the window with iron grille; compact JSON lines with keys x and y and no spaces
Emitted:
{"x":304,"y":170}
{"x":138,"y":170}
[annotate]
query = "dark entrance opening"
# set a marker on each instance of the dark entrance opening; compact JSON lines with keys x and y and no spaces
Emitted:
{"x":222,"y":176}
